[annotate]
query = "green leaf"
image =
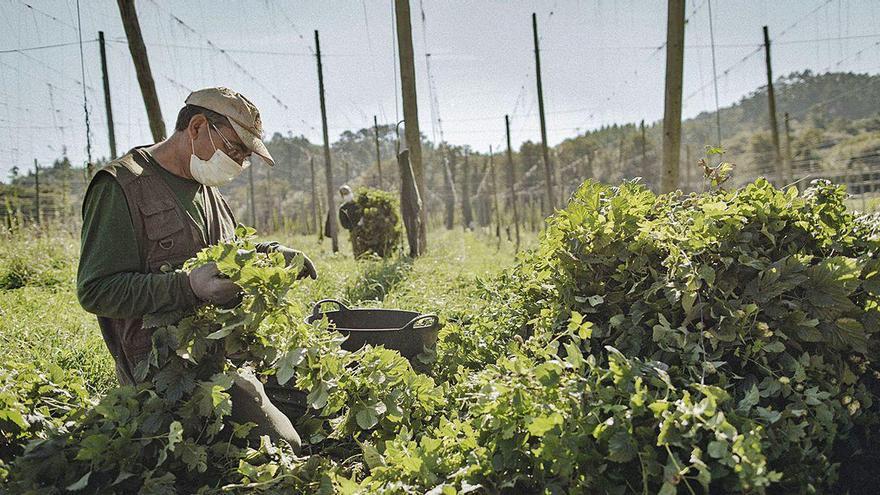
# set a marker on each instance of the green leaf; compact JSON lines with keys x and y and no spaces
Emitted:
{"x":852,"y":334}
{"x":175,"y":435}
{"x":573,"y":356}
{"x":688,"y":297}
{"x":768,"y":415}
{"x":346,"y":486}
{"x":15,"y":417}
{"x":668,"y":489}
{"x":121,"y":477}
{"x":707,"y":274}
{"x":372,"y":456}
{"x":93,"y":447}
{"x":288,"y":363}
{"x":193,"y":455}
{"x":317,"y":398}
{"x":750,"y":400}
{"x":542,"y":424}
{"x":575,"y":321}
{"x":621,"y":447}
{"x":595,"y":300}
{"x":80,"y":484}
{"x":775,"y":347}
{"x":810,"y":334}
{"x":366,"y":418}
{"x":717,"y":449}
{"x":223,"y":332}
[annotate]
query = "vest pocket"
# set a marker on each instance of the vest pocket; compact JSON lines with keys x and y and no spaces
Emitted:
{"x":165,"y":232}
{"x":161,"y":221}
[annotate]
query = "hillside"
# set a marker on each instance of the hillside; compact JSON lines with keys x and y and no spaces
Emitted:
{"x":833,"y":118}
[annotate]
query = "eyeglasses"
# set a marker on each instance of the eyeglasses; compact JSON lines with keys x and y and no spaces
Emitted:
{"x":235,"y":151}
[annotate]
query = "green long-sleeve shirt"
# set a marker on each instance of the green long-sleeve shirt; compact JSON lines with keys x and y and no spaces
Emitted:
{"x":109,"y":278}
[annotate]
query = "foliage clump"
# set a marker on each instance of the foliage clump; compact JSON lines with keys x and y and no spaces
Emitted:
{"x":378,"y":230}
{"x":763,"y":299}
{"x":173,"y":433}
{"x":768,"y":294}
{"x":35,"y":399}
{"x":713,"y":343}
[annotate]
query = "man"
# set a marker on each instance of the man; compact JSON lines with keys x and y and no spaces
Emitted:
{"x":350,"y":214}
{"x":147,"y":212}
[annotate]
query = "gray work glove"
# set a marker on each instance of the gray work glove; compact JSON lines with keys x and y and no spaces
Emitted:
{"x":211,"y":286}
{"x":308,"y":269}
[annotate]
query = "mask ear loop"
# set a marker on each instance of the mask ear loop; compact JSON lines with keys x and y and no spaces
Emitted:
{"x":192,"y":142}
{"x":209,"y":136}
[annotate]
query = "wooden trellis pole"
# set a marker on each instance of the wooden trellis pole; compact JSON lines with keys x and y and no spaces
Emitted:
{"x":548,"y":174}
{"x":672,"y":100}
{"x":495,"y":197}
{"x":37,"y":204}
{"x":467,"y":214}
{"x":511,"y":179}
{"x":410,"y":204}
{"x":328,"y":170}
{"x":378,"y":152}
{"x":771,"y":104}
{"x":107,"y":104}
{"x":142,"y":67}
{"x":316,"y":216}
{"x":411,"y":109}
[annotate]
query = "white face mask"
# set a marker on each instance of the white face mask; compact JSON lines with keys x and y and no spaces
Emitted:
{"x":219,"y":170}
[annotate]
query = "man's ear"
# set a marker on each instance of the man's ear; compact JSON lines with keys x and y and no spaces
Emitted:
{"x":196,"y":123}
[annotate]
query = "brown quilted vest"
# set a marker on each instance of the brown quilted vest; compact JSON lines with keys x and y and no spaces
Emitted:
{"x":166,"y":235}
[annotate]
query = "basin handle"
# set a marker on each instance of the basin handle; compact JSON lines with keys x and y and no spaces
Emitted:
{"x":317,"y":309}
{"x":412,"y":323}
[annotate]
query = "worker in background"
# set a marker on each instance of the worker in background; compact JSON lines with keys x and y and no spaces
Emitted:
{"x":350,"y":213}
{"x":147,"y":212}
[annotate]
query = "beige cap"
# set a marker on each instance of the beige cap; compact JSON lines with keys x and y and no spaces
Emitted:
{"x":242,"y":114}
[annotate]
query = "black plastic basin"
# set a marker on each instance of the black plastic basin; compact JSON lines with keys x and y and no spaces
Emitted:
{"x":407,"y":332}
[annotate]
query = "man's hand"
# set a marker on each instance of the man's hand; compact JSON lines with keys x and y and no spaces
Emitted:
{"x":308,"y":269}
{"x":211,"y":286}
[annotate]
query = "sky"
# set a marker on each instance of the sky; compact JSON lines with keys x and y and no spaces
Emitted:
{"x":602,"y":62}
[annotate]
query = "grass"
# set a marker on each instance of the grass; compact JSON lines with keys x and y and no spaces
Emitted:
{"x":435,"y":282}
{"x":867,"y":204}
{"x":34,"y":256}
{"x":41,"y":320}
{"x":40,"y":317}
{"x":39,"y":324}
